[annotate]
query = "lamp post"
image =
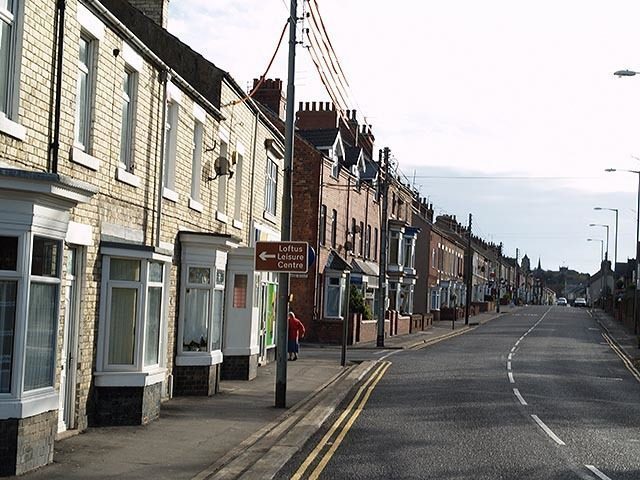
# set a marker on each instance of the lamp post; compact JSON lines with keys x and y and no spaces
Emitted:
{"x":601,"y":246}
{"x":606,"y":252}
{"x":615,"y":245}
{"x":637,"y":172}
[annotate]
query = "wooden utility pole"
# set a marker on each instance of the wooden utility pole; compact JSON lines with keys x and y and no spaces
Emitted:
{"x":469,"y":275}
{"x":283,"y":278}
{"x":383,"y":182}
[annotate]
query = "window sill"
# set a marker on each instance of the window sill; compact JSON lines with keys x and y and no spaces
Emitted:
{"x":238,"y":224}
{"x":130,"y":379}
{"x":195,"y":205}
{"x":199,"y":358}
{"x":270,"y":216}
{"x":221,"y":217}
{"x":129,"y":178}
{"x":80,"y":157}
{"x":170,"y":195}
{"x":13,"y":129}
{"x":30,"y":405}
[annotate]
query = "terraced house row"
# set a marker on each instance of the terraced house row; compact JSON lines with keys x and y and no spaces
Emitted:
{"x":135,"y":179}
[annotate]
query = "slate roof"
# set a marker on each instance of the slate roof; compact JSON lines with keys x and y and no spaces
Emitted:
{"x":352,"y":154}
{"x":319,"y":138}
{"x":337,"y":263}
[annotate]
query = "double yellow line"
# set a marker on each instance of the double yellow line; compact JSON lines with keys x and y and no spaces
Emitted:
{"x":627,"y":363}
{"x":352,"y":412}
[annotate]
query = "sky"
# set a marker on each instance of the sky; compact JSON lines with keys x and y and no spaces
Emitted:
{"x":522,"y":90}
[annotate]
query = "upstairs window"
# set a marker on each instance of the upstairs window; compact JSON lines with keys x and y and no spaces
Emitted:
{"x":271,"y":186}
{"x":8,"y":55}
{"x":196,"y":160}
{"x":83,"y":92}
{"x":128,"y":96}
{"x":334,"y":228}
{"x":171,"y":145}
{"x":322,"y":234}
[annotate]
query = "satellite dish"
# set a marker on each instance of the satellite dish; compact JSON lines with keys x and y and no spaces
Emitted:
{"x":221,"y":167}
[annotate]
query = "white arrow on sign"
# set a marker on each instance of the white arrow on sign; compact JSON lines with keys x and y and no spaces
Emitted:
{"x":264,"y":255}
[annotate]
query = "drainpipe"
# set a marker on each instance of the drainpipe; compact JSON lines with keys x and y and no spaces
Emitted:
{"x":164,"y":80}
{"x":253,"y":176}
{"x":55,"y":144}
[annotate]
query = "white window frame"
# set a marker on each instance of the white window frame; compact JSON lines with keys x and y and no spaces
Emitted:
{"x":81,"y":136}
{"x":136,"y":374}
{"x":221,"y":207}
{"x":196,"y":158}
{"x":209,"y":253}
{"x":341,"y":279}
{"x":18,"y":402}
{"x":171,"y":149}
{"x":239,"y":194}
{"x":9,"y":117}
{"x":127,"y":129}
{"x":271,"y":186}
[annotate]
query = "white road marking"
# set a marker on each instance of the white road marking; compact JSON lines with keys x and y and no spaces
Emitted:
{"x":511,"y":380}
{"x":508,"y":365}
{"x":547,"y":430}
{"x":517,"y":343}
{"x":510,"y":357}
{"x":514,"y":349}
{"x":593,"y":328}
{"x":598,"y":472}
{"x":517,"y":394}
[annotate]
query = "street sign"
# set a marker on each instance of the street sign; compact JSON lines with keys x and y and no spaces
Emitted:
{"x":282,"y":257}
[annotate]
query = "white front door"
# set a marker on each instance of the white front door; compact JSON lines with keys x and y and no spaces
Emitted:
{"x":69,"y":343}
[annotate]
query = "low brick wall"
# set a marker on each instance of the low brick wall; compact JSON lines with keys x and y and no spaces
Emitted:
{"x":118,"y":406}
{"x":196,"y":380}
{"x":403,"y":325}
{"x":451,"y":313}
{"x":27,"y":443}
{"x":240,"y":367}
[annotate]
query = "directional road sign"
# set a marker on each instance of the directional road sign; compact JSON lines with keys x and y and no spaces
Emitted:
{"x":282,"y":257}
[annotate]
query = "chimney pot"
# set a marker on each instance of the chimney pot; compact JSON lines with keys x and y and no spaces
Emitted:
{"x":306,"y":105}
{"x":313,"y":106}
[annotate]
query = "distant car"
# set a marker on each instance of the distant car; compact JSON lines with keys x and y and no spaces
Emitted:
{"x":579,"y":302}
{"x":562,"y":302}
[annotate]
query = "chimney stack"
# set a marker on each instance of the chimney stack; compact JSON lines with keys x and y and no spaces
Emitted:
{"x":156,"y":10}
{"x":270,"y":95}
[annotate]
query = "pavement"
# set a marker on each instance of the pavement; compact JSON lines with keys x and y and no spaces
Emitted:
{"x":239,"y":433}
{"x":623,"y":337}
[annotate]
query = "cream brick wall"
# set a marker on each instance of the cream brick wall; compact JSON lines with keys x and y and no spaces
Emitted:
{"x":116,"y":202}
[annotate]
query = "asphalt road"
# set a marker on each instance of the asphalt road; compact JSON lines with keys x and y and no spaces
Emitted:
{"x":537,"y":394}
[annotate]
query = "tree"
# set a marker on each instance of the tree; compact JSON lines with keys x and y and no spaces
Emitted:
{"x":357,"y":303}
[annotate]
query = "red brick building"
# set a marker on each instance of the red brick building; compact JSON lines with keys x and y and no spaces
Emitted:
{"x":335,"y":209}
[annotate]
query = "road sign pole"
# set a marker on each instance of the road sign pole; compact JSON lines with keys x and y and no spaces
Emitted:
{"x":283,"y":278}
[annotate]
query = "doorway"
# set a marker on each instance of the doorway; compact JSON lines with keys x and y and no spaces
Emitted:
{"x":68,"y":363}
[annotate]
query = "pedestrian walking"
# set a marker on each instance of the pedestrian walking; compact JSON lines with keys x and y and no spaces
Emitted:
{"x":296,"y":332}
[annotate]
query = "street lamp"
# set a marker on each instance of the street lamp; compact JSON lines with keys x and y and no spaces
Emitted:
{"x":601,"y":245}
{"x":615,"y":257}
{"x":606,"y":252}
{"x":635,"y":292}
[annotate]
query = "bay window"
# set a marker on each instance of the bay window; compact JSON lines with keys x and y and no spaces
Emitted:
{"x":334,"y":294}
{"x":8,"y":298}
{"x":133,"y":310}
{"x":203,"y":302}
{"x":201,"y":306}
